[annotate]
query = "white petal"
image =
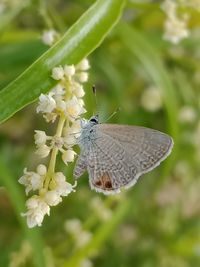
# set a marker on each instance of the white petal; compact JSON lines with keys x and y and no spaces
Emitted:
{"x":52,"y":198}
{"x":46,"y":104}
{"x":43,"y":151}
{"x":68,"y":156}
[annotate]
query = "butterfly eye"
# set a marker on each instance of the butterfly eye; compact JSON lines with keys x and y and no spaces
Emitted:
{"x":94,"y":119}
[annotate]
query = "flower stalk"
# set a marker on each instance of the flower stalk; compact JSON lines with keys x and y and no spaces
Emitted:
{"x":64,"y":104}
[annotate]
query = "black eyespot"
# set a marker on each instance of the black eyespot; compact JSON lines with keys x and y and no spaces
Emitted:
{"x":94,"y":119}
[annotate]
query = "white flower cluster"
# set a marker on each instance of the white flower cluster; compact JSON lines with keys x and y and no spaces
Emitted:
{"x":65,"y":104}
{"x":175,"y":26}
{"x":75,"y":229}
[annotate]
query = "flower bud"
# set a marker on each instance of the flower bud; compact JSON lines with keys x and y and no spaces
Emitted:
{"x":83,"y":65}
{"x":58,"y":73}
{"x":41,"y":169}
{"x":69,"y":70}
{"x":40,"y":138}
{"x":68,"y":156}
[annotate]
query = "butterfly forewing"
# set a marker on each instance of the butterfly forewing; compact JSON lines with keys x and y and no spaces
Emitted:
{"x":146,"y":147}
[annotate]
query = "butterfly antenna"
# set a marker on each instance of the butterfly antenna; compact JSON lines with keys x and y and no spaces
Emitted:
{"x":95,"y":98}
{"x":113,"y":114}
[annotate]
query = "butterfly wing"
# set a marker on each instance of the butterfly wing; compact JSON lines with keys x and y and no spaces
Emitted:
{"x":81,"y":165}
{"x":120,"y":154}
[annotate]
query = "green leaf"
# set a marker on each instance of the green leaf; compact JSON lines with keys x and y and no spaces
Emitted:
{"x":78,"y":42}
{"x":18,"y":201}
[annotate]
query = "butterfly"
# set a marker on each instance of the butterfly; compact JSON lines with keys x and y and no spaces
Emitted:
{"x":115,"y":156}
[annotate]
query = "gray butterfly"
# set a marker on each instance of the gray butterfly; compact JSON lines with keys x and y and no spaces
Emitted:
{"x":116,"y":155}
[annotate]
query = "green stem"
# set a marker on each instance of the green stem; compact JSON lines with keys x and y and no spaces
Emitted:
{"x":52,"y":163}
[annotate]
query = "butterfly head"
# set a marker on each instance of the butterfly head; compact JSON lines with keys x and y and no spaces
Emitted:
{"x":85,"y":124}
{"x":94,"y":119}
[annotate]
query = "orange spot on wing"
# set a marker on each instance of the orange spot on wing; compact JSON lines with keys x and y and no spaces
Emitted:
{"x":104,"y":182}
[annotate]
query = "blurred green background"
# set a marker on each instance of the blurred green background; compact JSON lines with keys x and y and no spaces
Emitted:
{"x":155,"y":84}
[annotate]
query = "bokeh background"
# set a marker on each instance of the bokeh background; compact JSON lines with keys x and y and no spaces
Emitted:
{"x":155,"y":83}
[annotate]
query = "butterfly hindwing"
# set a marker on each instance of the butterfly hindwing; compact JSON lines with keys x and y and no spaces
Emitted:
{"x":111,"y":170}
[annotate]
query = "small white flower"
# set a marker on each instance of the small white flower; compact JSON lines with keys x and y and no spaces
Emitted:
{"x":50,"y":117}
{"x":83,"y":238}
{"x":175,"y":30}
{"x":78,"y":90}
{"x":62,"y":187}
{"x":31,"y":180}
{"x":69,"y":140}
{"x":82,"y":77}
{"x":37,"y":209}
{"x":73,"y":108}
{"x":46,"y":103}
{"x":73,"y":226}
{"x":48,"y":37}
{"x":151,"y":99}
{"x":60,"y":105}
{"x":75,"y":127}
{"x":41,"y":169}
{"x":40,"y":138}
{"x":69,"y":70}
{"x":58,"y":90}
{"x":187,"y":114}
{"x":43,"y":151}
{"x":68,"y":156}
{"x":71,"y":133}
{"x":175,"y":27}
{"x":83,"y":65}
{"x":58,"y":73}
{"x":52,"y":198}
